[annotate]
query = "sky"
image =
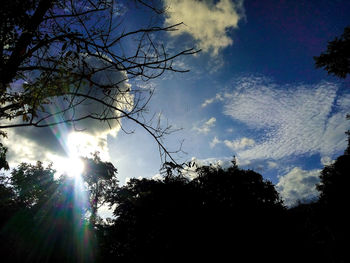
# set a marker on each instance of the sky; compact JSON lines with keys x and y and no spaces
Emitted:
{"x":252,"y":92}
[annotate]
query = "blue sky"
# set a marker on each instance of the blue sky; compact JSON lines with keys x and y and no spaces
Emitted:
{"x":252,"y":92}
{"x":259,"y":97}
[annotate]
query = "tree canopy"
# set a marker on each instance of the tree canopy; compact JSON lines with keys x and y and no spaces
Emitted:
{"x":218,"y":215}
{"x":48,"y":219}
{"x":210,"y":217}
{"x":336,"y":59}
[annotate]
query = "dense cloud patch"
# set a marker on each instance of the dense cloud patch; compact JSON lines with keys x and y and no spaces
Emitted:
{"x":207,"y":22}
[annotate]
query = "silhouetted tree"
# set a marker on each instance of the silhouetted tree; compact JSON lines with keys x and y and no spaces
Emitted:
{"x":319,"y":228}
{"x":3,"y":163}
{"x":335,"y":179}
{"x":44,"y":219}
{"x":221,"y":215}
{"x":33,"y":185}
{"x":101,"y":181}
{"x":30,"y":194}
{"x":336,"y":59}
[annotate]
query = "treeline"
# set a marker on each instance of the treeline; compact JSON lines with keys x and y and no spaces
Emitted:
{"x":223,"y":215}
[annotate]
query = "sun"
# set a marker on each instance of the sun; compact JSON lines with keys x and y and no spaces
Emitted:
{"x":75,"y":166}
{"x":71,"y":166}
{"x":77,"y":145}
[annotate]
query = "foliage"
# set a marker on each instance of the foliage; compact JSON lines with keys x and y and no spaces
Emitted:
{"x":3,"y":163}
{"x":336,"y":59}
{"x":235,"y":187}
{"x":320,"y":227}
{"x":43,"y":219}
{"x":222,"y":214}
{"x":101,"y":181}
{"x":33,"y":185}
{"x":334,"y":182}
{"x":177,"y":219}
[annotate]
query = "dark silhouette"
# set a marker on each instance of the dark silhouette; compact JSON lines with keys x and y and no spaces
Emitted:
{"x":44,"y":219}
{"x":101,"y":182}
{"x":3,"y":163}
{"x":220,"y":215}
{"x":320,"y":228}
{"x":336,"y":59}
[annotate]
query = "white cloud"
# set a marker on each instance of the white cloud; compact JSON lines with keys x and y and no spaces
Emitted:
{"x":214,"y":142}
{"x":326,"y":160}
{"x":207,"y":22}
{"x":206,"y":126}
{"x":298,"y":185}
{"x":295,"y":119}
{"x":158,"y":177}
{"x":239,"y":144}
{"x":218,"y":97}
{"x":271,"y":165}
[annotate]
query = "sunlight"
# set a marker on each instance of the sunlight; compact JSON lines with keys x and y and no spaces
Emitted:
{"x":84,"y":145}
{"x":75,"y":167}
{"x":71,"y":166}
{"x":77,"y":145}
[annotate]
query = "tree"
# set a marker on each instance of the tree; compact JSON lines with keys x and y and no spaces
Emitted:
{"x":65,"y":61}
{"x":101,"y":181}
{"x":331,"y":210}
{"x":336,"y":59}
{"x":334,"y":181}
{"x":3,"y":163}
{"x":223,"y":214}
{"x":28,"y":213}
{"x":33,"y":185}
{"x":48,"y":219}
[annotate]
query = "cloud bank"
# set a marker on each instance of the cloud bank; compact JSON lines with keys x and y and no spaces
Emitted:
{"x":206,"y":21}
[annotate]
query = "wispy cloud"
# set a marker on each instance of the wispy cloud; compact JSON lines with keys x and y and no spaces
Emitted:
{"x":294,"y":119}
{"x":206,"y":21}
{"x":206,"y":126}
{"x":272,"y":165}
{"x":218,"y":97}
{"x":298,"y":185}
{"x":214,"y":142}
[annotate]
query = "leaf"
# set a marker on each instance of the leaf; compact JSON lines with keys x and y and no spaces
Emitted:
{"x":64,"y":47}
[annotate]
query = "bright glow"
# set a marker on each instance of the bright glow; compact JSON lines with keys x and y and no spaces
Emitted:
{"x":77,"y":145}
{"x":71,"y":166}
{"x":75,"y":167}
{"x":83,"y":144}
